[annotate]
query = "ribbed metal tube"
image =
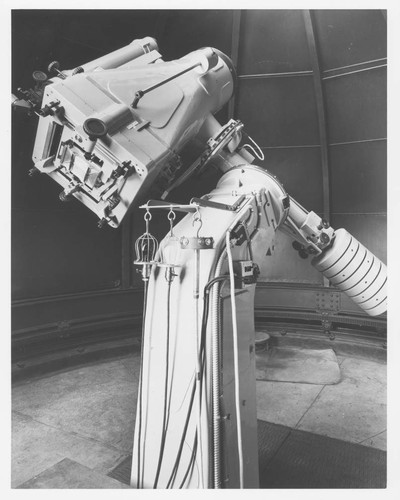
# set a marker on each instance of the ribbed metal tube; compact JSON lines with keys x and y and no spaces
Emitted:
{"x":353,"y":269}
{"x":216,"y":379}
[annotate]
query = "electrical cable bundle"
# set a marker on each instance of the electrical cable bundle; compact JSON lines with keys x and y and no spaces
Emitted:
{"x":167,"y":401}
{"x":167,"y":397}
{"x":206,"y":308}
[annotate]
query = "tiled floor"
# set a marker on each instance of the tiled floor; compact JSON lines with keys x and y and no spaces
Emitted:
{"x":87,"y":414}
{"x":353,"y":410}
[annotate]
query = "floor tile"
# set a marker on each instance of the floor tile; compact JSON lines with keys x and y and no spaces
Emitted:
{"x":355,"y":409}
{"x":36,"y":446}
{"x":299,"y":365}
{"x":283,"y":402}
{"x":68,"y":474}
{"x":94,"y":401}
{"x":87,"y":414}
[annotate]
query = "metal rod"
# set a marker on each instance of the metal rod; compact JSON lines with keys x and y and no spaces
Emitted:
{"x":319,"y":96}
{"x":276,"y":75}
{"x":354,"y":72}
{"x":372,"y":61}
{"x":292,"y":147}
{"x":194,"y":205}
{"x":140,"y":93}
{"x":169,"y":206}
{"x":237,"y":14}
{"x":329,"y":144}
{"x":358,"y":142}
{"x":380,"y":214}
{"x":220,"y":206}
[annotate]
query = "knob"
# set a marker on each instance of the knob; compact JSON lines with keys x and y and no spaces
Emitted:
{"x":54,"y":67}
{"x":39,"y":76}
{"x":303,"y":254}
{"x":95,"y":128}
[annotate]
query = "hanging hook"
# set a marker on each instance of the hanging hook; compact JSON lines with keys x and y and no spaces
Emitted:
{"x":171,"y":218}
{"x":147,"y":218}
{"x":197,"y":220}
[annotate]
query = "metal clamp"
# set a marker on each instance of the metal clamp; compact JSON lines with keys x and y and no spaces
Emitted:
{"x":197,"y":243}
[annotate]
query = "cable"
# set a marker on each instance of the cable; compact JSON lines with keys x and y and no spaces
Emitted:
{"x":206,"y":309}
{"x":191,"y":462}
{"x":164,"y":425}
{"x":249,"y":246}
{"x":172,"y":371}
{"x":235,"y":358}
{"x":203,"y":332}
{"x":178,"y":457}
{"x":259,"y":154}
{"x":141,"y":383}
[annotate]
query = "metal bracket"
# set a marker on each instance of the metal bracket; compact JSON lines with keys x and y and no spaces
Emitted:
{"x":214,"y":145}
{"x":201,"y":202}
{"x":327,"y":301}
{"x":268,"y":208}
{"x":197,"y":243}
{"x":176,"y":207}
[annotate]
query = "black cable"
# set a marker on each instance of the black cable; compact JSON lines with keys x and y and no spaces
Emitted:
{"x":169,"y":280}
{"x":191,"y":462}
{"x":140,"y":381}
{"x":249,"y":245}
{"x":164,"y":429}
{"x":206,"y":307}
{"x":178,"y":457}
{"x":206,"y":296}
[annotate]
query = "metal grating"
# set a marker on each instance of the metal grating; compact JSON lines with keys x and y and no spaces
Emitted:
{"x":289,"y":458}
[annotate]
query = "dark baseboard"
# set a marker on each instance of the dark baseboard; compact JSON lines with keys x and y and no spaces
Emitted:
{"x":53,"y":333}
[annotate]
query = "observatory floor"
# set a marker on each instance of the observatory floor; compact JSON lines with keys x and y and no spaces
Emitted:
{"x":86,"y":415}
